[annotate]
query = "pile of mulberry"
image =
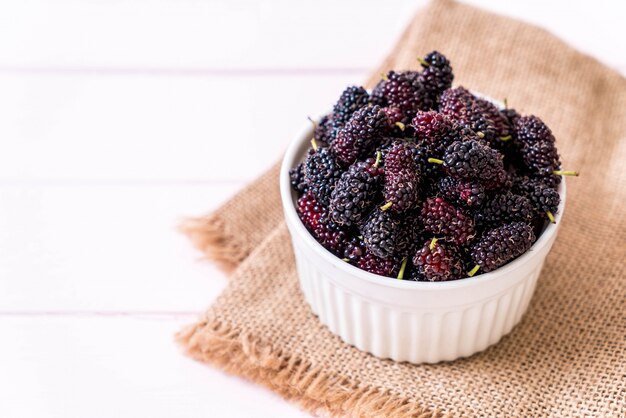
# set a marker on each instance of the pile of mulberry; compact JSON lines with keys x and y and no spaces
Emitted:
{"x":421,"y":181}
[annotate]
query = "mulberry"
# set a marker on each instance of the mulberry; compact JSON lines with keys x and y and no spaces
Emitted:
{"x":355,"y":192}
{"x":442,"y":219}
{"x":500,"y":245}
{"x":436,"y":261}
{"x":321,"y":172}
{"x":436,"y":76}
{"x":361,"y":134}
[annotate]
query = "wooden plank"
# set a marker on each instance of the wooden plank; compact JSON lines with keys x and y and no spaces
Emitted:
{"x":116,"y":367}
{"x":196,"y":34}
{"x":80,"y":248}
{"x":265,"y":34}
{"x":154,"y":128}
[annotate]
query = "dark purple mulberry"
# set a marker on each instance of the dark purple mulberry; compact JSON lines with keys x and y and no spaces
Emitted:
{"x":500,"y":122}
{"x":473,"y":160}
{"x":504,"y":207}
{"x":512,"y":117}
{"x":324,"y":132}
{"x":543,"y":198}
{"x":540,"y":158}
{"x":466,"y":192}
{"x":296,"y":177}
{"x":500,"y":245}
{"x":421,"y":153}
{"x":355,"y":192}
{"x":354,"y":249}
{"x":460,"y":105}
{"x":398,"y":157}
{"x":436,"y":129}
{"x":401,"y":178}
{"x":436,"y":261}
{"x":531,"y":129}
{"x":536,"y":146}
{"x":401,"y":190}
{"x":399,"y":122}
{"x":381,"y":233}
{"x":442,"y":219}
{"x":387,"y":267}
{"x":410,"y":234}
{"x":321,"y":172}
{"x":315,"y":217}
{"x":361,"y":134}
{"x":502,"y":181}
{"x":310,"y":211}
{"x":436,"y":76}
{"x":352,"y":99}
{"x":331,"y":235}
{"x":402,"y":90}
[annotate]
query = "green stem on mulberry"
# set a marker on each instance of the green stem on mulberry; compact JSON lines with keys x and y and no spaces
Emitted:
{"x":345,"y":259}
{"x":435,"y":161}
{"x":423,"y":62}
{"x":565,"y":173}
{"x":550,"y":216}
{"x":505,"y":138}
{"x":506,"y":103}
{"x":314,"y":144}
{"x":480,"y":135}
{"x":378,"y":156}
{"x":402,"y":268}
{"x":473,"y":271}
{"x":386,"y":206}
{"x":432,"y":243}
{"x":384,"y":76}
{"x":400,"y":125}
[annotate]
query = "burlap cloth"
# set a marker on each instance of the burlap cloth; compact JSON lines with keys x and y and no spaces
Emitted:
{"x":568,"y":355}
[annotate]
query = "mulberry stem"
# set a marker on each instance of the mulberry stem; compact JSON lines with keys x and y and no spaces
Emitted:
{"x":432,"y":243}
{"x":435,"y":161}
{"x":386,"y":206}
{"x":480,"y":134}
{"x":423,"y":62}
{"x":550,"y":216}
{"x":384,"y":76}
{"x":400,"y":125}
{"x":473,"y":271}
{"x":402,"y":268}
{"x":506,"y":103}
{"x":314,"y":144}
{"x":378,"y":155}
{"x":505,"y":138}
{"x":565,"y":173}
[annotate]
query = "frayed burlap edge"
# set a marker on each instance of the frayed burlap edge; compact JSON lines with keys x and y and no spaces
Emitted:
{"x":208,"y":234}
{"x":213,"y":342}
{"x":226,"y":236}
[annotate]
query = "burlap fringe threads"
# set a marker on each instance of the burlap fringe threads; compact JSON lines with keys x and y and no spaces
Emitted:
{"x":215,"y":343}
{"x":208,"y":234}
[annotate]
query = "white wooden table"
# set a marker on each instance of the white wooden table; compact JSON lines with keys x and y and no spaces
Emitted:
{"x":118,"y":119}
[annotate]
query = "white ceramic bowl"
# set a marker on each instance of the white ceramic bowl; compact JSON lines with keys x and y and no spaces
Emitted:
{"x":418,"y":322}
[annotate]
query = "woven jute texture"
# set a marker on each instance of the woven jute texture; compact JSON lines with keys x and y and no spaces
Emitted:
{"x":568,"y":355}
